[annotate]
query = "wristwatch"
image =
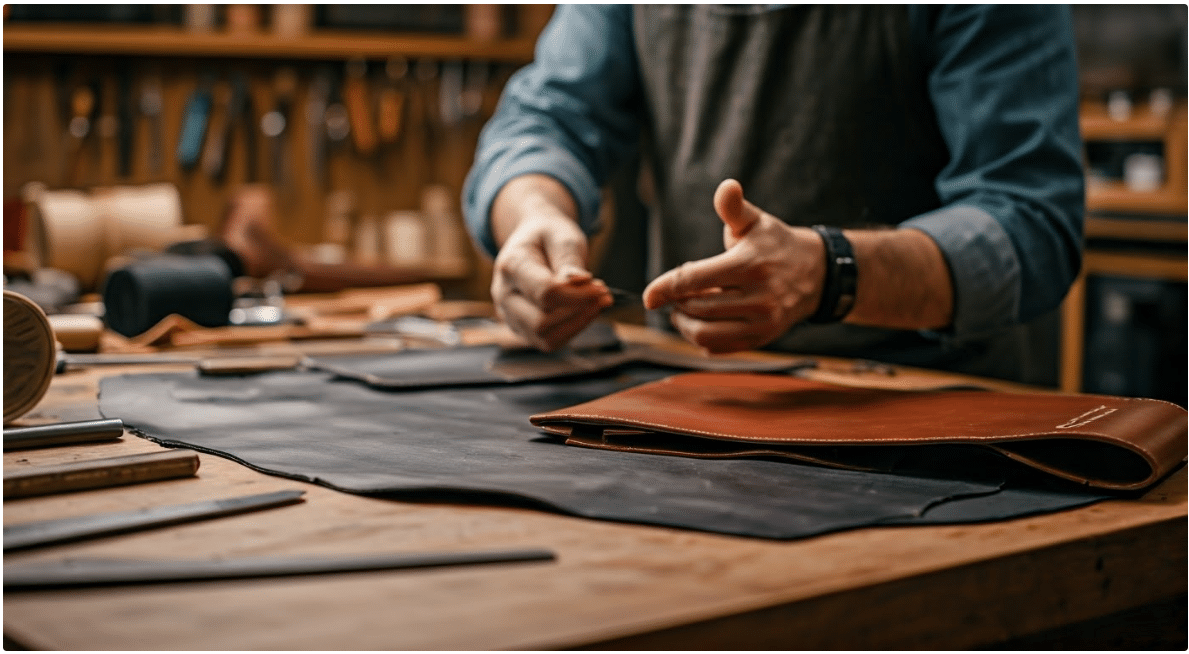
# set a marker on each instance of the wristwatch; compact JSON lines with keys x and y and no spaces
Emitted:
{"x":838,"y":288}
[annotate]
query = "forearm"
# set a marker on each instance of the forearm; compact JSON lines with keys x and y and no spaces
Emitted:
{"x":903,"y":280}
{"x":534,"y":195}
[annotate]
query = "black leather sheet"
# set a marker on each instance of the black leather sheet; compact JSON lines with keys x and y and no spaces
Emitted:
{"x":485,"y":365}
{"x":475,"y":444}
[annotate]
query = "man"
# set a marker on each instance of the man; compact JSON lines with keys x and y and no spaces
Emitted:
{"x":900,"y":184}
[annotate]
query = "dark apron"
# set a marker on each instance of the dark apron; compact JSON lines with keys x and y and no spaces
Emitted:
{"x":823,"y":115}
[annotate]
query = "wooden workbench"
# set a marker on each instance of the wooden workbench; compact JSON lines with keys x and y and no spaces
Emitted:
{"x":1111,"y":574}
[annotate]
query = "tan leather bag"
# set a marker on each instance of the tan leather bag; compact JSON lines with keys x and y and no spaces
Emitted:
{"x":1101,"y":441}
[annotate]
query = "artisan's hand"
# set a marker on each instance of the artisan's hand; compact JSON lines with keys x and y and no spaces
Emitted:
{"x":769,"y":278}
{"x":540,"y":285}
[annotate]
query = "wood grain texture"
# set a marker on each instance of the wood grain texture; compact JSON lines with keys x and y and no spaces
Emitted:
{"x":617,"y":586}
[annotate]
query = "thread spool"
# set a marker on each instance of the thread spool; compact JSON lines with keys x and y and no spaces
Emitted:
{"x":139,"y":294}
{"x":147,"y":217}
{"x":66,"y":233}
{"x":29,"y":355}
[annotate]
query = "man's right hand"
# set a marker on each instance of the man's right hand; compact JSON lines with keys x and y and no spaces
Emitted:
{"x":540,"y":285}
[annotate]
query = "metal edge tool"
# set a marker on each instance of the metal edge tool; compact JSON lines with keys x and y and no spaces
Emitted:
{"x":52,"y":532}
{"x":63,"y":433}
{"x":77,"y":573}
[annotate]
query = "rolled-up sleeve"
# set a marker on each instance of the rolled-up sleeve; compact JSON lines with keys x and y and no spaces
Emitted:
{"x":1004,"y":84}
{"x":570,"y":114}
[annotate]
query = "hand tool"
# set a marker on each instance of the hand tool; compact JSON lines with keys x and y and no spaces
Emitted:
{"x":338,"y":120}
{"x":237,"y":111}
{"x":450,"y":94}
{"x":248,"y":365}
{"x":150,"y":108}
{"x":355,"y":96}
{"x":77,"y":361}
{"x":63,"y":433}
{"x":218,"y":137}
{"x":391,"y":100}
{"x":274,"y":125}
{"x":98,"y":473}
{"x":243,"y":113}
{"x":126,"y":125}
{"x":473,"y":92}
{"x":76,"y":573}
{"x":316,"y":125}
{"x":84,"y":106}
{"x":227,"y":365}
{"x":194,"y":123}
{"x":51,"y":532}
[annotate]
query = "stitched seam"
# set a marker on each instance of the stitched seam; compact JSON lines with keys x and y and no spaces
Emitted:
{"x":591,"y":418}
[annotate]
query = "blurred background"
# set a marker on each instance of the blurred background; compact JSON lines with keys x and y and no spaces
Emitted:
{"x":361,"y":121}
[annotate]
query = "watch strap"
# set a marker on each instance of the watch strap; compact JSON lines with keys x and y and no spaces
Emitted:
{"x":841,"y":280}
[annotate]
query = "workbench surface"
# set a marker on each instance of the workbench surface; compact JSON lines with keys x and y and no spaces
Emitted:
{"x":612,"y":585}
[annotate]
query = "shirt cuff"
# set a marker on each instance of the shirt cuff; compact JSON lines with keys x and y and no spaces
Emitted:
{"x":983,"y":266}
{"x":539,"y":158}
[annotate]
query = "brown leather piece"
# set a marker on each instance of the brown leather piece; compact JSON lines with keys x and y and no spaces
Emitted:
{"x":1105,"y":442}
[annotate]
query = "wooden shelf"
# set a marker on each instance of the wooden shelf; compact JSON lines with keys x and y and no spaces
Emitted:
{"x":1142,"y":125}
{"x":1165,"y":267}
{"x":1169,"y":128}
{"x":1128,"y":229}
{"x":1115,"y":197}
{"x":321,"y":44}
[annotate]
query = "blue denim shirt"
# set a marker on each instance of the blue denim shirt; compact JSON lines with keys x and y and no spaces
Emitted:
{"x":1003,"y":82}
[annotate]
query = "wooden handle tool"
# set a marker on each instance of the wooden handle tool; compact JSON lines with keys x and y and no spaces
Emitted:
{"x":99,"y":473}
